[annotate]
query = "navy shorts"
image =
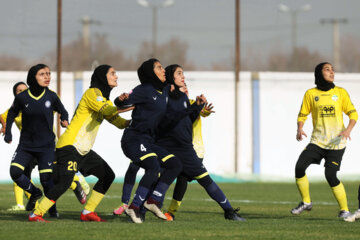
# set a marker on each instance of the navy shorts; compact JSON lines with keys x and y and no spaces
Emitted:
{"x":193,"y":168}
{"x":140,"y":149}
{"x":23,"y":158}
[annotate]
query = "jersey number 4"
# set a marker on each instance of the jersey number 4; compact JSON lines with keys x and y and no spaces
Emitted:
{"x":142,"y":148}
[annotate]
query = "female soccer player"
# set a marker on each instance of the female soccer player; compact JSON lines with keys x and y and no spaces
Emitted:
{"x":150,"y":100}
{"x":37,"y":139}
{"x":73,"y":150}
{"x":76,"y":186}
{"x":179,"y":141}
{"x":18,"y":191}
{"x":326,"y":103}
{"x":181,"y":180}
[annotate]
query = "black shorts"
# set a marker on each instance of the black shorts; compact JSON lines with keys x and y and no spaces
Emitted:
{"x":193,"y":168}
{"x":315,"y":154}
{"x":140,"y":149}
{"x":69,"y":161}
{"x":23,"y":158}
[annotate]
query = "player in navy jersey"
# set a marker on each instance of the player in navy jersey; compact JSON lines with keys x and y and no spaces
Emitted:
{"x":37,"y":139}
{"x":179,"y":141}
{"x":18,"y":191}
{"x":150,"y":101}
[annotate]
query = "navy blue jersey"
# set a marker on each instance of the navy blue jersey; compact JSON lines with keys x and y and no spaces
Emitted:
{"x":37,"y":118}
{"x":178,"y":134}
{"x":150,"y":108}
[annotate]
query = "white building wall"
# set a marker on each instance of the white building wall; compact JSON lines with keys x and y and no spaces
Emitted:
{"x":280,"y":98}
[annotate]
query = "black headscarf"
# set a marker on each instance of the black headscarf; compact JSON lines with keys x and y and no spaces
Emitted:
{"x":34,"y":86}
{"x":147,"y":75}
{"x":320,"y":82}
{"x":169,"y":73}
{"x":99,"y":80}
{"x":16,"y":85}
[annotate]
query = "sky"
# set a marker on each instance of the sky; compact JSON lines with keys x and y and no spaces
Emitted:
{"x":28,"y":27}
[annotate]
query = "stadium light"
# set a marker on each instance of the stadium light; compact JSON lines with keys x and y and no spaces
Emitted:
{"x":294,"y":13}
{"x":155,"y":7}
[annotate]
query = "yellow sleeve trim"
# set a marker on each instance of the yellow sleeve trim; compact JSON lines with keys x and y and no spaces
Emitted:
{"x":18,"y":165}
{"x":148,"y":155}
{"x":167,"y":157}
{"x":46,"y":171}
{"x":201,"y":176}
{"x":117,"y":121}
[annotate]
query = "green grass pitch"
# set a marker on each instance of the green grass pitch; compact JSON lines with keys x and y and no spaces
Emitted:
{"x":266,"y":206}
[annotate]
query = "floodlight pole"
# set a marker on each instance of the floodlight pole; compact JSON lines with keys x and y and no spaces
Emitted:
{"x":155,"y":7}
{"x":336,"y":39}
{"x":59,"y":58}
{"x":237,"y":79}
{"x":154,"y":30}
{"x":294,"y":13}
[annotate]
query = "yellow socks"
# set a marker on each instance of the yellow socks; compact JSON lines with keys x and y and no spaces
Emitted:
{"x":340,"y":195}
{"x":303,"y":186}
{"x":44,"y":206}
{"x":76,"y":178}
{"x":174,"y":206}
{"x":73,"y":185}
{"x":94,"y":201}
{"x":19,"y":195}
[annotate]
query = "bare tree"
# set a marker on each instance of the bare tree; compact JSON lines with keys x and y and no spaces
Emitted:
{"x":350,"y":54}
{"x":170,"y":52}
{"x":76,"y":58}
{"x":12,"y":63}
{"x":304,"y":60}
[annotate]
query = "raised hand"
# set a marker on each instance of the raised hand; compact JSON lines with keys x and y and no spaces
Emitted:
{"x":123,"y":96}
{"x":64,"y":123}
{"x":208,"y":107}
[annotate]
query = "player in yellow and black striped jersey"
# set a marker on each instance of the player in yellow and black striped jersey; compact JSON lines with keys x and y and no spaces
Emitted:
{"x":73,"y":150}
{"x":197,"y":135}
{"x":326,"y":103}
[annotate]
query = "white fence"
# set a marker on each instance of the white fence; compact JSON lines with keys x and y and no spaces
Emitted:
{"x":280,"y":96}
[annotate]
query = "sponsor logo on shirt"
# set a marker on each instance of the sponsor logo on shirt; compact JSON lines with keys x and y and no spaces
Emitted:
{"x":327,"y":111}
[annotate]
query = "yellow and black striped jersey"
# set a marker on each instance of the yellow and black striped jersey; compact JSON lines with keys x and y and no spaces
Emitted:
{"x":89,"y":114}
{"x":327,"y":110}
{"x":197,"y":135}
{"x":18,"y":119}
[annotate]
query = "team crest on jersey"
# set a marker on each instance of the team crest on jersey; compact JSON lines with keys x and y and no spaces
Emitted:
{"x":47,"y":104}
{"x":316,"y":98}
{"x":99,"y":99}
{"x":185,"y":104}
{"x":334,"y":97}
